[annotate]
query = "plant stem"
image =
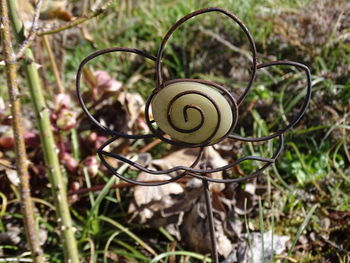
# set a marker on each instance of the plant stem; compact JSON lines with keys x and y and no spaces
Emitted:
{"x":21,"y":157}
{"x":77,"y":21}
{"x":48,"y":143}
{"x":53,"y":63}
{"x":32,"y":33}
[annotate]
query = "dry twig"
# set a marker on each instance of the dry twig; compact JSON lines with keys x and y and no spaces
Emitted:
{"x":53,"y":63}
{"x":32,"y":33}
{"x":21,"y":157}
{"x":93,"y":13}
{"x":48,"y":143}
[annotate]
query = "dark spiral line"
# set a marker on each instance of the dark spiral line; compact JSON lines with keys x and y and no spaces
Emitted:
{"x":185,"y":114}
{"x":223,"y":91}
{"x":200,"y":125}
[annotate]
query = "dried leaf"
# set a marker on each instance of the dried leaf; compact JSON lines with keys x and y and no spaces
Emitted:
{"x":149,"y":201}
{"x":144,"y":195}
{"x":12,"y":176}
{"x":214,"y":159}
{"x":183,"y":157}
{"x":195,"y":230}
{"x":135,"y":105}
{"x":224,"y":245}
{"x":254,"y":254}
{"x":12,"y":235}
{"x":183,"y":211}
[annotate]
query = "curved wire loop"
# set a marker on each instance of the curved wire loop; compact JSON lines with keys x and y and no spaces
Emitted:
{"x":156,"y":132}
{"x":80,"y":98}
{"x":253,"y":69}
{"x":101,"y":153}
{"x":302,"y":110}
{"x":204,"y":171}
{"x":195,"y":172}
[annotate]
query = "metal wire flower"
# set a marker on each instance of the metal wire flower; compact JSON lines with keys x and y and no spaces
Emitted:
{"x":206,"y":102}
{"x":208,"y":114}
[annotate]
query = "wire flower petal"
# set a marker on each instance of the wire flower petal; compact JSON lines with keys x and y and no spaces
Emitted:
{"x":302,"y":110}
{"x":186,"y":102}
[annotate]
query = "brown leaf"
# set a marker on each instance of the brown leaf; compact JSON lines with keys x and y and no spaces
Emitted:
{"x":61,"y":14}
{"x":144,"y":195}
{"x":195,"y":231}
{"x":214,"y":160}
{"x":183,"y":212}
{"x":150,"y":200}
{"x":134,"y":105}
{"x":183,"y":157}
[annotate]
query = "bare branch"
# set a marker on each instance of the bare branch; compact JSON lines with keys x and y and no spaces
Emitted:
{"x":17,"y":126}
{"x":60,"y":87}
{"x":93,"y":13}
{"x":32,"y":33}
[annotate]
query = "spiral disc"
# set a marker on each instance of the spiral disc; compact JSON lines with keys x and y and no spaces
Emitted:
{"x":192,"y":112}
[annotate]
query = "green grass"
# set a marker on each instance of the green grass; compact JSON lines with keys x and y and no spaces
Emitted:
{"x":309,"y":180}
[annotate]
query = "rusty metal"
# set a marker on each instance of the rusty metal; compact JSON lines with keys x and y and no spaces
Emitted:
{"x":203,"y":171}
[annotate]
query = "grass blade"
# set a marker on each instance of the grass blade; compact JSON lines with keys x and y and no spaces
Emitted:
{"x":301,"y":229}
{"x":180,"y":253}
{"x":129,"y":233}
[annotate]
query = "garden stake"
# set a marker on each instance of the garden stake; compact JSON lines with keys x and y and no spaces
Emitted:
{"x":194,"y":113}
{"x":214,"y":251}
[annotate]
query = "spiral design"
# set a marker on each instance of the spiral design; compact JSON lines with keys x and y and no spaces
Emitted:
{"x":193,"y":113}
{"x":172,"y":108}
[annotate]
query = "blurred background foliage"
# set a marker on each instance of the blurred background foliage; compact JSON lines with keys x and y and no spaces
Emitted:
{"x":305,"y":196}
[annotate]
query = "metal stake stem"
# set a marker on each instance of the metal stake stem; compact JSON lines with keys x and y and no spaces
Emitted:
{"x":214,"y":252}
{"x":158,"y":132}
